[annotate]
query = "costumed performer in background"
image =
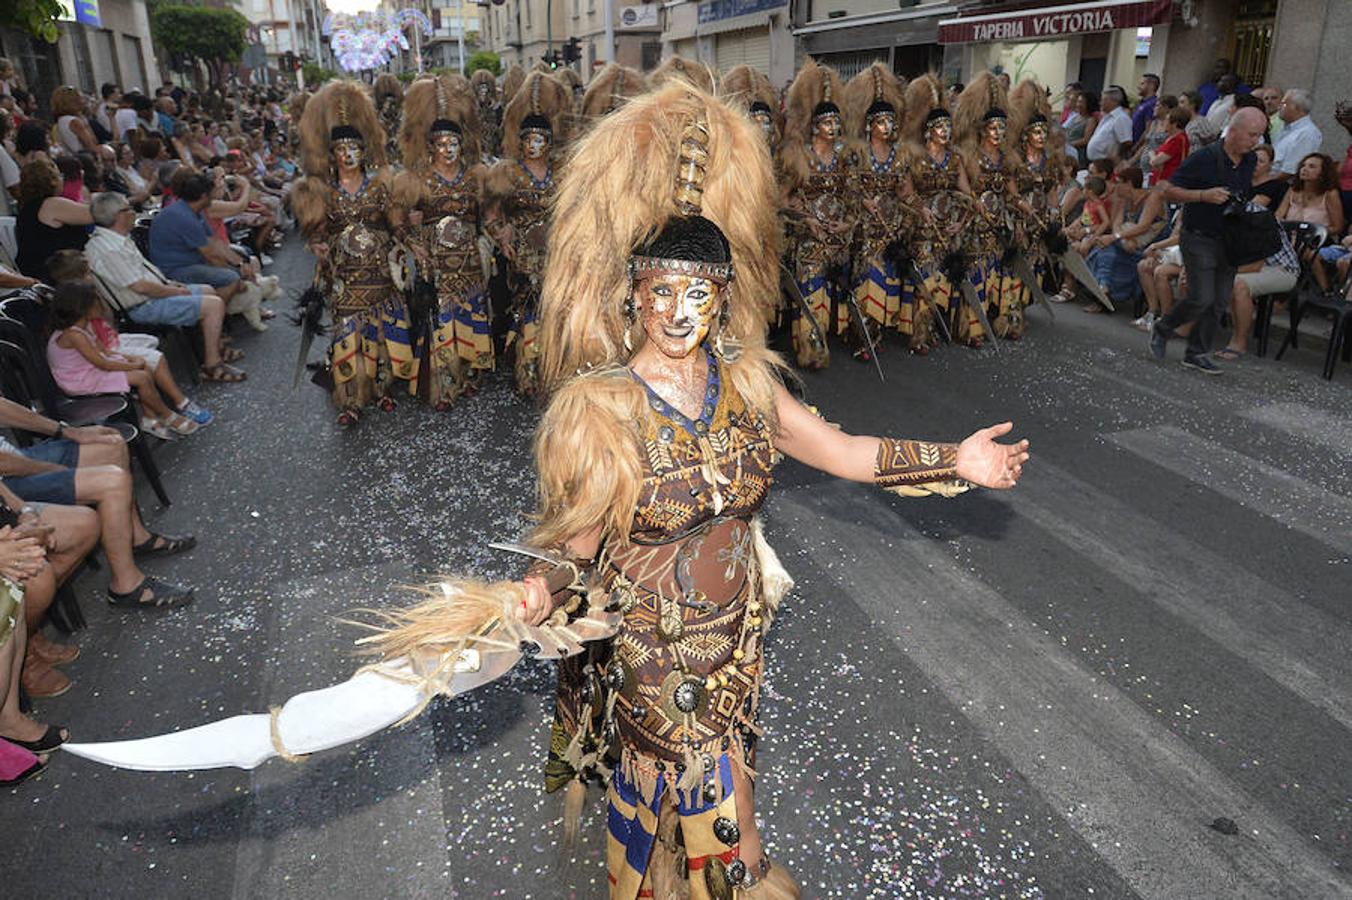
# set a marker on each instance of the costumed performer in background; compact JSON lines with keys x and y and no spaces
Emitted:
{"x":609,"y":89}
{"x":388,"y":95}
{"x":517,"y":193}
{"x":343,"y":205}
{"x":440,"y":190}
{"x":488,"y":106}
{"x":817,"y":166}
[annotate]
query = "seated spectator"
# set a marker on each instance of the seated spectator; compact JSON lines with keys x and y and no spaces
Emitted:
{"x":1173,"y":150}
{"x":88,"y":466}
{"x":182,"y":245}
{"x":1275,"y":275}
{"x":1112,"y":137}
{"x":72,"y":131}
{"x":1094,"y":221}
{"x":1138,"y":219}
{"x":47,"y":222}
{"x":1313,"y":196}
{"x":1201,"y":133}
{"x":150,"y":155}
{"x":1080,"y":129}
{"x":124,"y":118}
{"x":1268,"y":189}
{"x":138,"y":192}
{"x":31,"y":143}
{"x":1300,"y":136}
{"x":1192,"y":102}
{"x":1156,"y":131}
{"x":12,"y":281}
{"x":82,"y":367}
{"x":69,"y":266}
{"x":27,"y":745}
{"x":1161,"y":263}
{"x":72,"y":179}
{"x":147,"y":295}
{"x":9,"y":169}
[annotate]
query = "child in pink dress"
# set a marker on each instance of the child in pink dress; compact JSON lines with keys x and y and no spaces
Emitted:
{"x":81,"y":366}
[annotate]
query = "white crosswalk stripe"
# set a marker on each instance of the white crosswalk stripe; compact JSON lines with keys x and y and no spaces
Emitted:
{"x":1294,"y":644}
{"x":1334,"y":432}
{"x":1137,"y":792}
{"x":1323,"y":515}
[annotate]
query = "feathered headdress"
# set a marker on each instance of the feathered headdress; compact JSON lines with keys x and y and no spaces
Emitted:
{"x":339,"y":109}
{"x":387,"y":88}
{"x":983,"y":99}
{"x":874,"y":90}
{"x":924,"y":103}
{"x":540,"y":103}
{"x":678,"y":67}
{"x":511,"y":82}
{"x":816,"y":90}
{"x":295,"y":107}
{"x":611,"y":87}
{"x":439,"y":103}
{"x":674,"y":153}
{"x":1028,"y":103}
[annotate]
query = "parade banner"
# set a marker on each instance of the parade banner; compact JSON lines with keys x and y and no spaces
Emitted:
{"x":1054,"y":22}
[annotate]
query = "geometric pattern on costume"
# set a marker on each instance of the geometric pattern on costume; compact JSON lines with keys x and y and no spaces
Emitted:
{"x":997,"y":288}
{"x":917,"y":468}
{"x":526,"y":210}
{"x":671,"y":703}
{"x":370,"y":347}
{"x":825,"y":197}
{"x":878,"y":287}
{"x":932,"y":181}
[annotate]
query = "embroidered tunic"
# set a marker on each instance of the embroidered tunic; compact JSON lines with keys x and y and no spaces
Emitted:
{"x":878,"y":184}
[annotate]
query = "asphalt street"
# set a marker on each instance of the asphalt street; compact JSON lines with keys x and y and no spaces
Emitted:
{"x":1051,"y":692}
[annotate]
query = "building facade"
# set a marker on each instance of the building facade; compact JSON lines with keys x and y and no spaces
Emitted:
{"x":521,"y":31}
{"x":101,"y":41}
{"x":281,"y":27}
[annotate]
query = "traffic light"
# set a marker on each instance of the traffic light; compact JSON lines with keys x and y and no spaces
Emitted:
{"x":551,"y":58}
{"x":572,"y":50}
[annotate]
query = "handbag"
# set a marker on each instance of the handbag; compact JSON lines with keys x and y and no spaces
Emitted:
{"x":1248,"y":235}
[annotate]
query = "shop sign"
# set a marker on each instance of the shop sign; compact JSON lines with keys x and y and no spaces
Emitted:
{"x":1054,"y":22}
{"x":85,"y":11}
{"x":638,"y":16}
{"x":716,"y":10}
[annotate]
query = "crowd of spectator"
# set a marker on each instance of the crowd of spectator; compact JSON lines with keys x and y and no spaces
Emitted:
{"x":1120,"y":220}
{"x":123,"y":210}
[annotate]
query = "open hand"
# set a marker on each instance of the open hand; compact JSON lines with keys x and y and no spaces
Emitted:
{"x":984,"y":462}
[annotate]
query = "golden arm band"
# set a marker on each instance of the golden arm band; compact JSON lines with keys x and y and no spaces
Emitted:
{"x":918,"y":468}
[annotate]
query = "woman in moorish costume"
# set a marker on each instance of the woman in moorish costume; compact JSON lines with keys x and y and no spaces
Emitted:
{"x":653,"y":464}
{"x":818,"y":166}
{"x":943,"y":196}
{"x":982,"y":125}
{"x":517,"y":192}
{"x":343,"y":205}
{"x":744,"y":86}
{"x":388,"y":94}
{"x":489,"y":110}
{"x":1039,"y":173}
{"x":874,"y":107}
{"x":666,"y":415}
{"x":440,"y":189}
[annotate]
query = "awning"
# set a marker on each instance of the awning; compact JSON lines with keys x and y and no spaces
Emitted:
{"x":1051,"y":22}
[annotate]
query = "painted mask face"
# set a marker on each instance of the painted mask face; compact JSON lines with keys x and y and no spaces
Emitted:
{"x":995,"y":130}
{"x":535,"y":144}
{"x":481,"y":91}
{"x":348,"y":154}
{"x":883,"y":127}
{"x":767,"y":126}
{"x":940,"y":131}
{"x":1036,"y":136}
{"x":446,"y":148}
{"x":827,"y":126}
{"x":677,"y":312}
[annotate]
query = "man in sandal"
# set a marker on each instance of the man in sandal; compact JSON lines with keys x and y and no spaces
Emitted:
{"x":88,"y":466}
{"x":148,"y":296}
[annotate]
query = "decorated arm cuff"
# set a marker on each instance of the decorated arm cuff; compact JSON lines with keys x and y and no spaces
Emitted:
{"x":918,"y":468}
{"x":567,"y":583}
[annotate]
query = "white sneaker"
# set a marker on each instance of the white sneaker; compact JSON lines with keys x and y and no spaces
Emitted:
{"x":265,"y":259}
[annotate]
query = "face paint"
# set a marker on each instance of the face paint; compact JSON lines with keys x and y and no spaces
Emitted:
{"x":535,"y":144}
{"x":940,"y":131}
{"x":348,"y":154}
{"x":883,"y":126}
{"x":482,"y":90}
{"x":767,"y":126}
{"x":995,"y":130}
{"x":827,"y":126}
{"x":677,"y":312}
{"x":1036,"y":136}
{"x":446,"y":148}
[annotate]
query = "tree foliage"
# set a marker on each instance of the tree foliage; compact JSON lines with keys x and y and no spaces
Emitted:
{"x":36,"y":17}
{"x":213,"y":36}
{"x":483,"y":59}
{"x":315,"y":75}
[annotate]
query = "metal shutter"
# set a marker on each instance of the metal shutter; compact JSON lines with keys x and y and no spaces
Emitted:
{"x":750,"y":46}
